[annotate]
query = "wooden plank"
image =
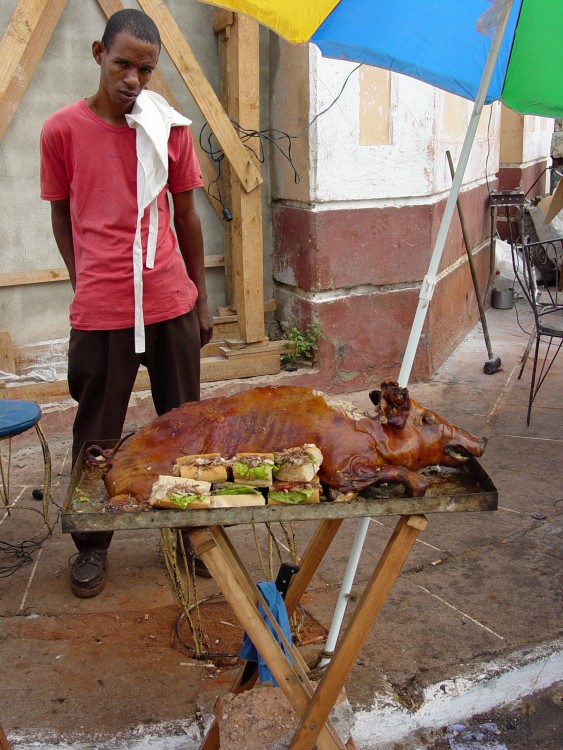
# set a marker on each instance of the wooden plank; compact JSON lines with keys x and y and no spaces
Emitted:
{"x":370,"y":605}
{"x":244,"y":254}
{"x":4,"y":744}
{"x":268,"y":347}
{"x":22,"y":278}
{"x":221,"y":368}
{"x":7,"y":353}
{"x":158,"y":84}
{"x":214,"y":261}
{"x":310,"y":561}
{"x":223,"y":329}
{"x":203,"y":94}
{"x":228,"y":574}
{"x":21,"y":48}
{"x":213,"y":368}
{"x":222,"y":20}
{"x":41,"y":393}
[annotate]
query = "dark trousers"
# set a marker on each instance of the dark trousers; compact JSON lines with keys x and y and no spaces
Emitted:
{"x":102,"y":366}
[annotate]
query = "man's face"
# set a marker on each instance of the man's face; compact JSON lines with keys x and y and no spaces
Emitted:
{"x":125,"y":69}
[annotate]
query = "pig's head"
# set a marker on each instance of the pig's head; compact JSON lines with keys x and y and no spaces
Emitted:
{"x":416,"y":437}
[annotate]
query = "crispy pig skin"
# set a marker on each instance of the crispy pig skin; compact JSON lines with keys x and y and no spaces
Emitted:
{"x":358,"y":449}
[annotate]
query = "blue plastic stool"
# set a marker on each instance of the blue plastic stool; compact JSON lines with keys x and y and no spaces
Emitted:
{"x":16,"y":417}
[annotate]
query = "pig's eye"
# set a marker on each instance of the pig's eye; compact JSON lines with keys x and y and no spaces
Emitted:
{"x":428,"y":418}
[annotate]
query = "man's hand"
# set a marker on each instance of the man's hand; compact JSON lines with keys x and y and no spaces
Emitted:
{"x":190,"y":242}
{"x":205,"y":321}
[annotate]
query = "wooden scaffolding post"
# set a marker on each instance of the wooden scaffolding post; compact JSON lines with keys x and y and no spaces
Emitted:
{"x":193,"y":76}
{"x":240,"y":91}
{"x":21,"y":48}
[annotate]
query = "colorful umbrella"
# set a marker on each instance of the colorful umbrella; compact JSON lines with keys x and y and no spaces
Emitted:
{"x":442,"y":42}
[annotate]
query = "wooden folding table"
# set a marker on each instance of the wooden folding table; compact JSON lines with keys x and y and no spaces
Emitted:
{"x":466,"y":489}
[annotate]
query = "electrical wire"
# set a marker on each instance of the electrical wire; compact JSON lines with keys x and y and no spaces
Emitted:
{"x":279,"y":139}
{"x":25,"y":549}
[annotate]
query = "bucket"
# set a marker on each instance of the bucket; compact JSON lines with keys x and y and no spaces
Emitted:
{"x":502,"y":299}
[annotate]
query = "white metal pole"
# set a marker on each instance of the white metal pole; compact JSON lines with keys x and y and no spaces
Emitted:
{"x":345,"y":589}
{"x":425,"y":296}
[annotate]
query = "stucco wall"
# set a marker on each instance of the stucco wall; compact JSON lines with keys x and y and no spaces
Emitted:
{"x":352,"y":244}
{"x":67,"y":72}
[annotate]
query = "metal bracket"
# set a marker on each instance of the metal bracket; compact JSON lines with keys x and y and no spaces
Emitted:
{"x":427,"y":289}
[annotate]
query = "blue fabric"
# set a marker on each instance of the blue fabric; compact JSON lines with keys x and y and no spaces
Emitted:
{"x":435,"y":41}
{"x":17,"y":416}
{"x":277,"y":608}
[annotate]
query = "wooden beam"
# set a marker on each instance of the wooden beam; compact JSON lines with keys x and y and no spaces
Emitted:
{"x":4,"y":744}
{"x":203,"y":94}
{"x":21,"y":48}
{"x":158,"y":84}
{"x":7,"y":353}
{"x":240,"y":76}
{"x":22,"y":278}
{"x":213,"y":369}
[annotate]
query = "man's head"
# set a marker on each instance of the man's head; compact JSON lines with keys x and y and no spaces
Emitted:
{"x":127,"y":55}
{"x":134,"y":22}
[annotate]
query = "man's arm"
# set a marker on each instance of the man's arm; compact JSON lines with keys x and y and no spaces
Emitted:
{"x":190,"y":241}
{"x":62,"y":230}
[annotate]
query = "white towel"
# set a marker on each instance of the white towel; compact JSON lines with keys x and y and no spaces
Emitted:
{"x":152,"y":117}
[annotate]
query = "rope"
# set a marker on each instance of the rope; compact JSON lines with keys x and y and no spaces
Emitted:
{"x":184,"y":582}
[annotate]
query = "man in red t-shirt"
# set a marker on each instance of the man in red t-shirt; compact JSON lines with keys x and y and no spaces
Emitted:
{"x":137,"y":300}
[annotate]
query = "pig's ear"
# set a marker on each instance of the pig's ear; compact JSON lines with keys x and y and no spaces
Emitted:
{"x":375,"y":397}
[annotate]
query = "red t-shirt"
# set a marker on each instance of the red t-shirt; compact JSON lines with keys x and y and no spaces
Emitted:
{"x":94,"y":164}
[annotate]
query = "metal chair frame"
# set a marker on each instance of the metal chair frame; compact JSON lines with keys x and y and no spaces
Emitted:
{"x":5,"y":471}
{"x":545,"y":298}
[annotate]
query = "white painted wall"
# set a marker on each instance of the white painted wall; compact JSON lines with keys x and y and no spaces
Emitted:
{"x":413,"y":166}
{"x":537,"y":138}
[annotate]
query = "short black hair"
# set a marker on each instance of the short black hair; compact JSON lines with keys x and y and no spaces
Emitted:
{"x":134,"y":22}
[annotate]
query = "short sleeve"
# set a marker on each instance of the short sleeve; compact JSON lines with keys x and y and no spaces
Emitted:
{"x":53,"y":175}
{"x":184,"y":172}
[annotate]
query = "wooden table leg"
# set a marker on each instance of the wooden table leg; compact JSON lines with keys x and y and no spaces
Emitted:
{"x":4,"y":744}
{"x":370,"y":605}
{"x":232,"y":579}
{"x":310,"y":561}
{"x":308,"y":564}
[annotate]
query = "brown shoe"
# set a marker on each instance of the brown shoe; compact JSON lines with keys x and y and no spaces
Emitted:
{"x":89,"y":571}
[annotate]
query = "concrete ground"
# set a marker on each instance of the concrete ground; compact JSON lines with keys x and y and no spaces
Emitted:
{"x":472,"y":625}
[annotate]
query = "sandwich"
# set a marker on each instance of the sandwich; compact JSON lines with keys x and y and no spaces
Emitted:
{"x":231,"y":495}
{"x":254,"y":469}
{"x":177,"y":493}
{"x":208,"y":467}
{"x":284,"y":493}
{"x":297,"y":464}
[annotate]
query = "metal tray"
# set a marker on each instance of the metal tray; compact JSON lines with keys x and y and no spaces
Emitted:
{"x":87,"y":506}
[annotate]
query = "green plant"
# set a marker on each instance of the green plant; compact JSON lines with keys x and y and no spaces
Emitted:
{"x":303,"y":343}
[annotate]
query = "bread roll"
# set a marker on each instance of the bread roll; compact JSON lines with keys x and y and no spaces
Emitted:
{"x":254,"y":469}
{"x":298,"y":494}
{"x":179,"y":494}
{"x":208,"y":467}
{"x":299,"y":464}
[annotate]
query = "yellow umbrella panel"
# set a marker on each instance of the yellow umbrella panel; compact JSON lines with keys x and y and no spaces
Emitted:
{"x":295,"y":20}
